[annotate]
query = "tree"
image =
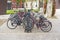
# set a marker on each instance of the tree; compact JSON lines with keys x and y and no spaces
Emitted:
{"x":45,"y":6}
{"x":31,"y":4}
{"x":39,"y":5}
{"x":23,"y":1}
{"x":18,"y":2}
{"x":23,"y":4}
{"x":53,"y":8}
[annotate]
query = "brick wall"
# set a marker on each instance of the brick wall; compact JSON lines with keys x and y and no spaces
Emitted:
{"x":3,"y":5}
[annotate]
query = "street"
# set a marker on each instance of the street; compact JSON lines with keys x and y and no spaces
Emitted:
{"x":37,"y":34}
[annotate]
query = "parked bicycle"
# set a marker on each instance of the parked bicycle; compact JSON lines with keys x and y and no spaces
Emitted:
{"x":39,"y":20}
{"x":14,"y":20}
{"x":29,"y":19}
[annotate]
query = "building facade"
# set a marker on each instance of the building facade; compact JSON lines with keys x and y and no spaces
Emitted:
{"x":57,"y":4}
{"x":3,"y":5}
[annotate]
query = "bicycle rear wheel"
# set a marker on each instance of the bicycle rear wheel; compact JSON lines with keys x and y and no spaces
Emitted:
{"x":11,"y":24}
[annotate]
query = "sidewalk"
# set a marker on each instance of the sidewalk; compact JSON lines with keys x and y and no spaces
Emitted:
{"x":18,"y":33}
{"x":4,"y":16}
{"x":55,"y":28}
{"x":3,"y":19}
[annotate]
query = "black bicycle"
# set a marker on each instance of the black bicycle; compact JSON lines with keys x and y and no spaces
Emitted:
{"x":28,"y":24}
{"x":13,"y":21}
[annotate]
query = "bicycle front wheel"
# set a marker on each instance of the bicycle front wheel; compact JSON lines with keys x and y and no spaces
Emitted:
{"x":46,"y":26}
